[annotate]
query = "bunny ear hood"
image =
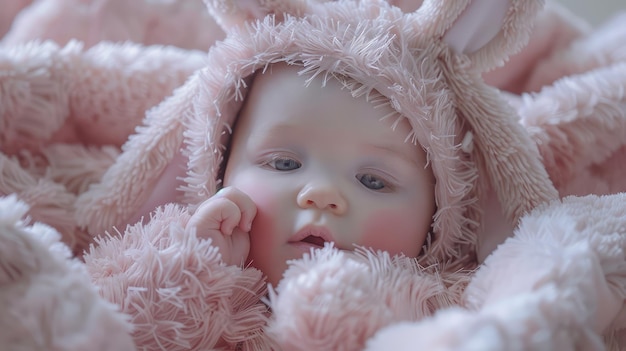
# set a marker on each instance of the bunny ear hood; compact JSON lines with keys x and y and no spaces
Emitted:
{"x":427,"y":63}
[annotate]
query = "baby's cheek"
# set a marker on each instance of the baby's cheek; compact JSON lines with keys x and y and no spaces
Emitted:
{"x":266,"y":206}
{"x":393,"y":232}
{"x":266,"y":236}
{"x":263,"y":224}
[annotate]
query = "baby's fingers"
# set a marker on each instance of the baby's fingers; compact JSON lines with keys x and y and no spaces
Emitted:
{"x":218,"y":214}
{"x":246,"y":206}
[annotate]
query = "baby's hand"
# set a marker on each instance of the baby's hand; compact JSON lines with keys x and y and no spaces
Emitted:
{"x":226,"y":218}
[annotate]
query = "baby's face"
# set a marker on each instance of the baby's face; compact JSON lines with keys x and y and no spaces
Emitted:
{"x":320,"y":166}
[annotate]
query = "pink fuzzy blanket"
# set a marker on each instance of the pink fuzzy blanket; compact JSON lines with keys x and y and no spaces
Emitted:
{"x":78,"y":79}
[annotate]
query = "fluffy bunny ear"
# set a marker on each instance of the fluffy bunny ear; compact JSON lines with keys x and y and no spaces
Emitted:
{"x":488,"y":31}
{"x":233,"y":13}
{"x":484,"y":33}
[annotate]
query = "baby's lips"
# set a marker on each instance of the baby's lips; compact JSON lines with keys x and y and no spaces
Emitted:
{"x":315,"y":231}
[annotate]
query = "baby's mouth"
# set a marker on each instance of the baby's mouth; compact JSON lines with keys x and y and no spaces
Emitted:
{"x":311,"y":235}
{"x":314,"y":240}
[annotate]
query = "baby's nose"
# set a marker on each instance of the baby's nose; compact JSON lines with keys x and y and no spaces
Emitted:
{"x":323,"y":197}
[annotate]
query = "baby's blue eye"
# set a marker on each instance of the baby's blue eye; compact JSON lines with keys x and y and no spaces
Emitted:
{"x":371,"y":182}
{"x":285,"y":164}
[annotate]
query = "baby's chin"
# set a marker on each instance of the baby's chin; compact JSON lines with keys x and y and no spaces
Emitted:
{"x":274,"y":269}
{"x":274,"y":276}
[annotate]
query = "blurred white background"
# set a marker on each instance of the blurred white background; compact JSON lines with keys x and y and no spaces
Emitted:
{"x":595,"y":11}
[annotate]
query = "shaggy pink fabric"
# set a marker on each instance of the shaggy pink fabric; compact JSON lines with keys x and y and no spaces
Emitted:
{"x":66,"y":111}
{"x":567,"y":272}
{"x":150,"y":22}
{"x":556,"y":284}
{"x":46,"y":297}
{"x":554,"y":31}
{"x":176,"y":289}
{"x":50,"y":202}
{"x":67,"y":107}
{"x":312,"y":297}
{"x":72,"y":95}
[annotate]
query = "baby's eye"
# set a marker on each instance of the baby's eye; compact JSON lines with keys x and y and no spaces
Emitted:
{"x":371,"y":181}
{"x":284,"y":164}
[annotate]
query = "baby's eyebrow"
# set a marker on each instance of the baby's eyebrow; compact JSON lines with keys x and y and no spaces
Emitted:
{"x":282,"y":127}
{"x":402,"y":155}
{"x":272,"y":132}
{"x":279,"y":129}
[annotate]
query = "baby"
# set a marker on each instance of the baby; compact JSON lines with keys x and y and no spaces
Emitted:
{"x":310,"y":165}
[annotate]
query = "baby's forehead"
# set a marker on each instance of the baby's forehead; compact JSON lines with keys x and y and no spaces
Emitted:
{"x":283,"y":102}
{"x":278,"y":77}
{"x":289,"y":89}
{"x":296,"y":75}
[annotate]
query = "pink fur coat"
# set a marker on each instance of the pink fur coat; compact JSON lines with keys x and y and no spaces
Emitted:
{"x":550,"y":277}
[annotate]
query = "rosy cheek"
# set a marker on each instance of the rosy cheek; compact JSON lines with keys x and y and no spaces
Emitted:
{"x":261,"y":196}
{"x":264,"y":223}
{"x":266,"y":206}
{"x":393,"y":232}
